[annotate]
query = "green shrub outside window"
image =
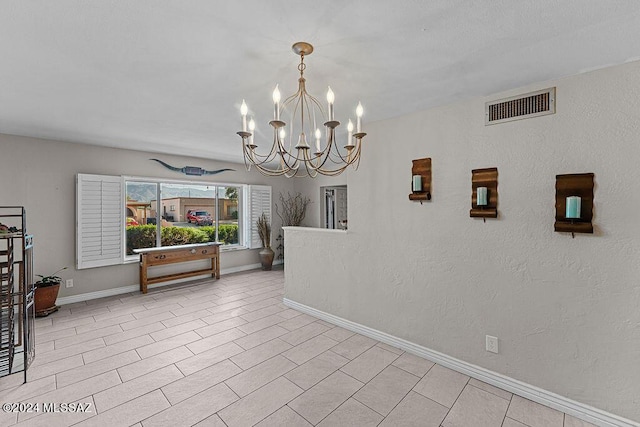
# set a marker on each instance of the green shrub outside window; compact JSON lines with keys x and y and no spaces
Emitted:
{"x":144,"y":236}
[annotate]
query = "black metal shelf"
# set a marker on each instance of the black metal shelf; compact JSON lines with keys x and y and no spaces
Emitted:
{"x":17,"y":314}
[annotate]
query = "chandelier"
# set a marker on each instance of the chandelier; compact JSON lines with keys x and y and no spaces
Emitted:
{"x":305,"y":113}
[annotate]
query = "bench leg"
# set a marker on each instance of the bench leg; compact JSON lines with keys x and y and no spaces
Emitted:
{"x":143,"y":275}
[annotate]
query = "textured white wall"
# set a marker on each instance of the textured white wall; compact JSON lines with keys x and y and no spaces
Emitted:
{"x":40,"y":174}
{"x":565,"y":310}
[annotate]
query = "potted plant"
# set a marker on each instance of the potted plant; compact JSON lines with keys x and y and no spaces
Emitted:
{"x":264,"y":231}
{"x":47,"y":288}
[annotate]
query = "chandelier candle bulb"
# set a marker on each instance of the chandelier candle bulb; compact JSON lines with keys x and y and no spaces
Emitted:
{"x":573,"y":207}
{"x":330,"y":99}
{"x":417,"y":183}
{"x":481,"y":196}
{"x":359,"y":111}
{"x":243,"y":111}
{"x":252,"y":127}
{"x":276,"y":103}
{"x":350,"y":134}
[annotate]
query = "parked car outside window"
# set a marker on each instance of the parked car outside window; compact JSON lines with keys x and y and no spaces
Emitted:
{"x":199,"y":217}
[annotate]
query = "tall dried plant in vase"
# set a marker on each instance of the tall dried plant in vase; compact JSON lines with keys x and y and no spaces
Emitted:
{"x":264,"y":231}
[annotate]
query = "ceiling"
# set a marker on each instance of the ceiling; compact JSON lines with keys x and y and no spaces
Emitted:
{"x":168,"y":76}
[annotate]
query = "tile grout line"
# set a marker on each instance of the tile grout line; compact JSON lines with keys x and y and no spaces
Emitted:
{"x":507,"y":411}
{"x":487,"y":391}
{"x":454,"y":402}
{"x":403,"y":397}
{"x":350,"y":396}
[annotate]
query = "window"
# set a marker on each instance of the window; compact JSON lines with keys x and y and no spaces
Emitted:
{"x":181,"y":213}
{"x":116,"y":215}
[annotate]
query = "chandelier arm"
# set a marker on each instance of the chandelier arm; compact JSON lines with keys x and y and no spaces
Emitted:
{"x":261,"y":169}
{"x":271,"y":172}
{"x":313,"y":105}
{"x":319,"y":159}
{"x":336,"y":157}
{"x":309,"y":168}
{"x":342,"y":158}
{"x":259,"y":159}
{"x":338,"y":170}
{"x":332,"y":172}
{"x":246,"y":165}
{"x":249,"y":151}
{"x":311,"y":171}
{"x":326,"y":152}
{"x":289,"y":156}
{"x":357,"y":163}
{"x":283,"y":169}
{"x":329,"y":158}
{"x":326,"y":171}
{"x":322,"y":159}
{"x":285,"y":165}
{"x":347,"y":163}
{"x":296,"y":107}
{"x":319,"y":107}
{"x":295,"y":171}
{"x":276,"y":149}
{"x":310,"y":102}
{"x":332,"y":146}
{"x":249,"y":154}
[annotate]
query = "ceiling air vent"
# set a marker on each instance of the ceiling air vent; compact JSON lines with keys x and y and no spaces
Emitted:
{"x":534,"y":104}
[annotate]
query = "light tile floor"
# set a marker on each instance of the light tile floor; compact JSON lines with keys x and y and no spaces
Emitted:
{"x":229,"y":353}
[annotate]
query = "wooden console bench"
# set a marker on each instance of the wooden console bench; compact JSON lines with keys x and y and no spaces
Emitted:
{"x":174,"y":254}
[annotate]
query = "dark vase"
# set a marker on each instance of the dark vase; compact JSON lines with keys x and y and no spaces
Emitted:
{"x":266,"y":258}
{"x":45,"y":299}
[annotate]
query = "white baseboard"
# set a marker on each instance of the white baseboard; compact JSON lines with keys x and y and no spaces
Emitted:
{"x":544,"y":397}
{"x":136,"y":287}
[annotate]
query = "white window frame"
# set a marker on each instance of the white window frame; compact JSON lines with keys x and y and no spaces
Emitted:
{"x":244,"y":215}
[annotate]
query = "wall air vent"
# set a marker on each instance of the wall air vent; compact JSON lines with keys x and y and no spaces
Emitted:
{"x":534,"y":104}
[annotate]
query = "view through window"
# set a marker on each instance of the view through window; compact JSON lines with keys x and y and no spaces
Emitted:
{"x":169,"y":214}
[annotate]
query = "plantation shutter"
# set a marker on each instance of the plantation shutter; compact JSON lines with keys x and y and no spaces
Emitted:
{"x":99,"y":219}
{"x":259,"y":201}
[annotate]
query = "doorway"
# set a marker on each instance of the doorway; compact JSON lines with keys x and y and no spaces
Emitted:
{"x":334,"y":207}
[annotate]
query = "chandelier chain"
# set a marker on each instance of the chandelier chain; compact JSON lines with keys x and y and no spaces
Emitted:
{"x":302,"y":66}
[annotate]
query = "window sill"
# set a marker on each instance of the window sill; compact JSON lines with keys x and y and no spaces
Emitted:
{"x":130,"y":259}
{"x":232,"y":248}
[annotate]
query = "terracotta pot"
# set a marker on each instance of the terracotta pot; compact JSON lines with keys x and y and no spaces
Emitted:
{"x":45,"y":299}
{"x":266,"y":258}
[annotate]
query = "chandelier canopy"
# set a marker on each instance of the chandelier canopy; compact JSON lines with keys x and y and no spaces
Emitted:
{"x":301,"y":159}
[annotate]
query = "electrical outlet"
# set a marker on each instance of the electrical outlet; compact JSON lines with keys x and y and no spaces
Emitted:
{"x":69,"y":283}
{"x":492,"y":344}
